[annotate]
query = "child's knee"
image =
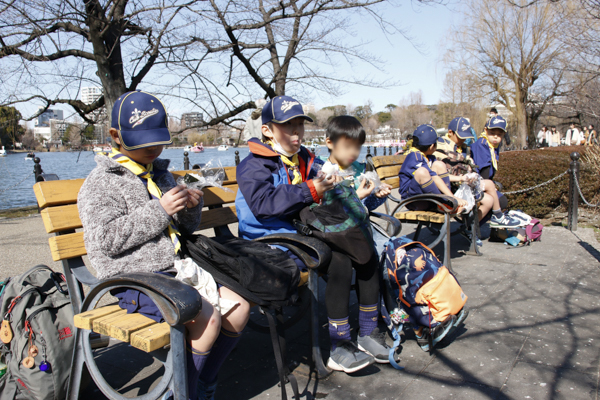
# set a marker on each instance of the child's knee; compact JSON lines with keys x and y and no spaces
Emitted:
{"x":422,"y":175}
{"x":209,"y":316}
{"x":439,"y":167}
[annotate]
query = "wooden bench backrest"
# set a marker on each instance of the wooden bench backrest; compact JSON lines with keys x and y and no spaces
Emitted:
{"x":58,"y":203}
{"x":388,"y":168}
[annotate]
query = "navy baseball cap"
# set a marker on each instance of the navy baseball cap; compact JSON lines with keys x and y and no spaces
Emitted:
{"x":461,"y":127}
{"x":497,"y":122}
{"x":141,"y":120}
{"x":426,"y":135}
{"x":281,"y":109}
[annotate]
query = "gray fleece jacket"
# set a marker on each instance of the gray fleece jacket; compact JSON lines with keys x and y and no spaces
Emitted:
{"x":123,"y":229}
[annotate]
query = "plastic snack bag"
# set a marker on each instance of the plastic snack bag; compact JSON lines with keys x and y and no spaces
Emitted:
{"x":212,"y":174}
{"x":371,"y":176}
{"x":329,"y":169}
{"x":464,"y":192}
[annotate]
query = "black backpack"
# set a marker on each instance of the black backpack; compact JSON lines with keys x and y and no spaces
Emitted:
{"x":256,"y":271}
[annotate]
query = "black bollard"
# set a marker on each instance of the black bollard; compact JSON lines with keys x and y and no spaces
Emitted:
{"x":368,"y":149}
{"x":573,"y":192}
{"x":186,"y":161}
{"x":237,"y":158}
{"x":37,"y":169}
{"x":390,"y":150}
{"x":397,"y":149}
{"x":375,"y":150}
{"x":384,"y":149}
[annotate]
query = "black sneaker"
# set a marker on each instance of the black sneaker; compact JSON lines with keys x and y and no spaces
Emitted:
{"x":375,"y":346}
{"x":348,"y":358}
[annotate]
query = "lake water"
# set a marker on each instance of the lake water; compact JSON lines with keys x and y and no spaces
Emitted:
{"x":15,"y":170}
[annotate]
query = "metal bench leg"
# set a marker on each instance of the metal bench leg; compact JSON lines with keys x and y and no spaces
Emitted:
{"x":77,"y":367}
{"x":447,"y":234}
{"x":475,"y":234}
{"x":178,"y":361}
{"x":418,"y":231}
{"x":317,"y":358}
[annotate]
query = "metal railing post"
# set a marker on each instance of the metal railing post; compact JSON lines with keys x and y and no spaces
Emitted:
{"x":369,"y":150}
{"x":390,"y":150}
{"x":237,"y":157}
{"x":186,"y":161}
{"x":384,"y":150}
{"x":37,"y":168}
{"x":573,"y":193}
{"x":375,"y":150}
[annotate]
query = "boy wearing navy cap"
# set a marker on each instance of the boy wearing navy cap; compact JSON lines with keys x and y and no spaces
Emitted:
{"x":485,"y":155}
{"x":276,"y":181}
{"x":452,"y":148}
{"x":132,"y":213}
{"x":421,"y":172}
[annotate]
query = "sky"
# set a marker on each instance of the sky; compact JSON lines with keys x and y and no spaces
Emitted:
{"x":415,"y":64}
{"x":416,"y":69}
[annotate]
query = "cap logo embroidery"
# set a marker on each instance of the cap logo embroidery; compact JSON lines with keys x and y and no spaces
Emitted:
{"x":287,"y":105}
{"x":465,"y":127}
{"x":139,"y":117}
{"x":497,"y":121}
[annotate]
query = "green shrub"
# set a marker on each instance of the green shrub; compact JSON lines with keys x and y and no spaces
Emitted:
{"x":523,"y":169}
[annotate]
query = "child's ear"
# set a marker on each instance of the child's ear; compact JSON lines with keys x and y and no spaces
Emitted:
{"x":432,"y":147}
{"x":266,"y":131}
{"x":329,"y":144}
{"x":114,"y":134}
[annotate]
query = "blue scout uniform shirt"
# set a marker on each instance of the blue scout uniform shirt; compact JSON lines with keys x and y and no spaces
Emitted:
{"x":413,"y":161}
{"x":482,"y":156}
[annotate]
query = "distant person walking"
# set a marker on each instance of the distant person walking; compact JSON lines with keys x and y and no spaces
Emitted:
{"x":542,"y":137}
{"x":555,"y":137}
{"x":592,"y":139}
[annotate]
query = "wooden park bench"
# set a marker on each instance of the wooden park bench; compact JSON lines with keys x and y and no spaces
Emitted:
{"x":388,"y":168}
{"x":179,"y":303}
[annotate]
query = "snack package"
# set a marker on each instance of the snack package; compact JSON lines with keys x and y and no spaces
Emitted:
{"x":211,"y":174}
{"x":371,"y":176}
{"x":329,"y":169}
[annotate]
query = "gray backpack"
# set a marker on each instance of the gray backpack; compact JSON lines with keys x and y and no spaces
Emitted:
{"x":37,"y":317}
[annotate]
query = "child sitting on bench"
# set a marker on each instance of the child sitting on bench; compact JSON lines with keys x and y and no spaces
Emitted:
{"x":132,"y":212}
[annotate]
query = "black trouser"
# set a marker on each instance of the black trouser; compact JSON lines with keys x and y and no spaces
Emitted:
{"x":339,"y":282}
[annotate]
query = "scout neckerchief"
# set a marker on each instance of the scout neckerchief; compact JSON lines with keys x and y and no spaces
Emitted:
{"x":146,"y":174}
{"x":415,"y":150}
{"x":293,"y":164}
{"x":492,"y":150}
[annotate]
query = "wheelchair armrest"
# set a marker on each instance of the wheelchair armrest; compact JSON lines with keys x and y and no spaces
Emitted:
{"x":296,"y":243}
{"x":178,"y":302}
{"x":396,"y":225}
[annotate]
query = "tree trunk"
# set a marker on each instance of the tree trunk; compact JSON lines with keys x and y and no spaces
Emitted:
{"x":521,"y":118}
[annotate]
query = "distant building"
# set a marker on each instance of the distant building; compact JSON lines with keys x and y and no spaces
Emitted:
{"x":90,"y":94}
{"x":43,"y":120}
{"x":191,"y":119}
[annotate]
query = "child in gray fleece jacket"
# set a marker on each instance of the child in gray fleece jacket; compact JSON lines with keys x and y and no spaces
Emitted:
{"x":132,"y":211}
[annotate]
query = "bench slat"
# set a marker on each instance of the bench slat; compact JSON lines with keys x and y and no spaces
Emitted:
{"x":102,"y":325}
{"x":229,"y":173}
{"x":388,"y":172}
{"x":86,"y":320}
{"x":214,"y":196}
{"x":61,"y":218}
{"x":152,"y":337}
{"x":67,"y":246}
{"x":383,"y":161}
{"x":57,"y":193}
{"x":393,"y":182}
{"x":218,"y":217}
{"x":122,"y":327}
{"x":426,"y":216}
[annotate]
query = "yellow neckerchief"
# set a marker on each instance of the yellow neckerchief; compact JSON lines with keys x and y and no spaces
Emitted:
{"x":456,"y":148}
{"x":293,"y":164}
{"x":492,"y":150}
{"x":145,"y":173}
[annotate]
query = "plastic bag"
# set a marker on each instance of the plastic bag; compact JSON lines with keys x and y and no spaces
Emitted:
{"x":189,"y":272}
{"x":371,"y":176}
{"x":464,"y":192}
{"x":329,"y":169}
{"x":211,"y":174}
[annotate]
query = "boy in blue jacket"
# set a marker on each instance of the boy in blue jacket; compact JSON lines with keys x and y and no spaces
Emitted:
{"x":276,"y":181}
{"x":485,"y":154}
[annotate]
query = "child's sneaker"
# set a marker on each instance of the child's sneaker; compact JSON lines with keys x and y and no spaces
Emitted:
{"x":348,"y":358}
{"x":504,"y":222}
{"x":375,"y":346}
{"x":461,"y":316}
{"x":437,"y":333}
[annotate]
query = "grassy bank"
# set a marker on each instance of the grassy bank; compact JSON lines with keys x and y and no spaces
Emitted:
{"x":18,"y":212}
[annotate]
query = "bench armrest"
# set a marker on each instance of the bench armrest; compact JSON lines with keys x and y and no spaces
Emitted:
{"x":298,"y":244}
{"x":449,"y":205}
{"x":178,"y":302}
{"x":394,"y":223}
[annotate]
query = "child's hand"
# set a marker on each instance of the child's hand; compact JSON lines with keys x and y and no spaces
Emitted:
{"x":194,"y":197}
{"x":384,"y":190}
{"x":365,"y":189}
{"x":323,"y":185}
{"x":174,"y":200}
{"x":461,"y":202}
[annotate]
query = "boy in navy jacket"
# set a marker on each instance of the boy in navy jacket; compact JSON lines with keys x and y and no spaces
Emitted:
{"x":276,"y":181}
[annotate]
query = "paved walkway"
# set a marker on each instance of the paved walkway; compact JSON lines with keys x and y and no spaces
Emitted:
{"x":532,"y":332}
